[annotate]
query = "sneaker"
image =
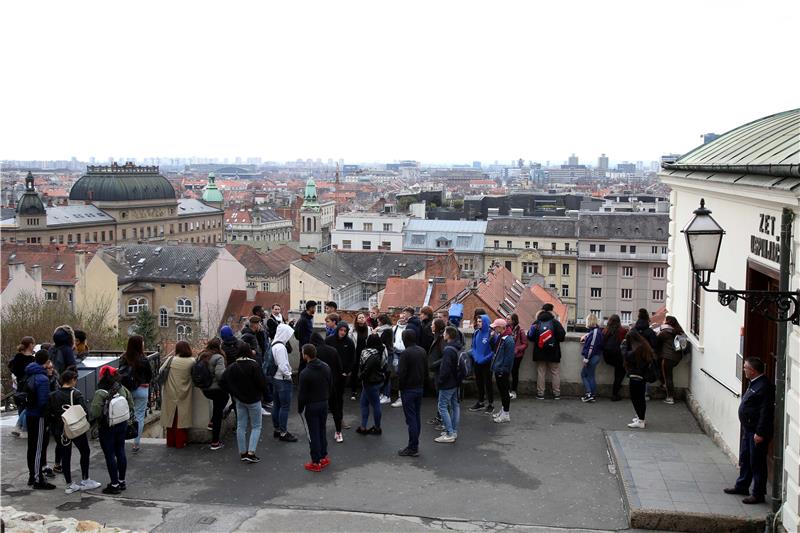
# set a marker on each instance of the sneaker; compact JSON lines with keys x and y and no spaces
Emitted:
{"x":264,"y":412}
{"x":268,"y":406}
{"x":540,"y":396}
{"x":136,"y":449}
{"x":592,"y":399}
{"x":503,"y":418}
{"x":587,"y":398}
{"x":122,"y":485}
{"x":635,"y":419}
{"x":243,"y":457}
{"x":210,"y":426}
{"x":408,"y":452}
{"x":375,"y":431}
{"x":362,"y":430}
{"x":669,"y":401}
{"x":338,"y":437}
{"x":353,"y":397}
{"x":313,"y":467}
{"x":57,"y":469}
{"x":251,"y":457}
{"x":489,"y":409}
{"x":111,"y":489}
{"x":90,"y":484}
{"x":324,"y":462}
{"x":436,"y":421}
{"x":72,"y":487}
{"x":638,"y":424}
{"x":556,"y":396}
{"x":15,"y":432}
{"x":512,"y":395}
{"x":385,"y":400}
{"x":47,"y":471}
{"x":276,"y":434}
{"x":217,"y":445}
{"x":398,"y":403}
{"x":439,"y":427}
{"x":287,"y":437}
{"x":477,"y":407}
{"x":345,"y":425}
{"x":445,"y":439}
{"x":31,"y":481}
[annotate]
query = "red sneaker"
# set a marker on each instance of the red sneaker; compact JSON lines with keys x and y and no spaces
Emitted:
{"x":324,"y":462}
{"x":313,"y":467}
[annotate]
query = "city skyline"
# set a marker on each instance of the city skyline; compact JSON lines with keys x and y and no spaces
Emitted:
{"x":438,"y":83}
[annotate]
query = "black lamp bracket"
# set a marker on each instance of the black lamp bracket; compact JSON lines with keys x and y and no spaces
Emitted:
{"x":765,"y":303}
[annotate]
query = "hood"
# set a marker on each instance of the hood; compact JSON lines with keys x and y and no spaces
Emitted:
{"x":62,"y":338}
{"x":317,"y":339}
{"x":343,"y":324}
{"x":457,"y":344}
{"x":486,"y":322}
{"x":642,"y":324}
{"x":544,"y":316}
{"x":34,"y":368}
{"x":414,"y":320}
{"x":283,"y":333}
{"x":508,"y":331}
{"x":230,"y":341}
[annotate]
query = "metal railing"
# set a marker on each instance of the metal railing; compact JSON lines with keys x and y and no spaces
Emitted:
{"x":88,"y":376}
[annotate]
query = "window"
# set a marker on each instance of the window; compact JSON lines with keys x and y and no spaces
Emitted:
{"x":507,"y":265}
{"x":347,"y":244}
{"x":654,"y":249}
{"x":172,"y":229}
{"x":627,"y":272}
{"x":658,"y":272}
{"x":386,"y":245}
{"x":441,"y":242}
{"x":367,"y":226}
{"x":565,"y":269}
{"x":553,"y":246}
{"x":497,"y":244}
{"x":552,"y":269}
{"x":163,"y":318}
{"x":387,"y":227}
{"x":695,"y":307}
{"x":184,"y":332}
{"x":623,"y":249}
{"x":566,"y":247}
{"x":184,"y":306}
{"x":597,"y":312}
{"x":60,"y":239}
{"x":664,"y":250}
{"x":626,"y":294}
{"x":136,"y":304}
{"x":366,"y":245}
{"x":592,"y":247}
{"x":265,"y":286}
{"x":601,"y":248}
{"x":94,"y":237}
{"x":535,"y":245}
{"x":51,"y":296}
{"x":418,"y":239}
{"x":658,"y":295}
{"x":527,"y":244}
{"x":565,"y":290}
{"x":625,"y":317}
{"x":508,"y":244}
{"x":633,"y":249}
{"x":597,"y":271}
{"x":69,"y":237}
{"x":348,"y":225}
{"x":463,"y":241}
{"x":595,"y":292}
{"x":530,"y":268}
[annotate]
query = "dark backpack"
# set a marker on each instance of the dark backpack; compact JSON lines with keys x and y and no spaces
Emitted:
{"x":269,"y":366}
{"x":465,"y":364}
{"x":547,"y":335}
{"x":57,"y":358}
{"x":651,"y":373}
{"x":26,"y":395}
{"x":201,"y":374}
{"x":128,"y":377}
{"x":612,"y":354}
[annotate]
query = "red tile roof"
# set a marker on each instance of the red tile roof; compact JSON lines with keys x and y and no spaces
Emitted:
{"x":401,"y":292}
{"x":270,"y":263}
{"x":238,"y":216}
{"x":239,"y":306}
{"x":47,"y":257}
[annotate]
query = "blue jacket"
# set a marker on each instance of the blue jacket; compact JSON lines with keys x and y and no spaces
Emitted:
{"x":304,"y":327}
{"x":448,"y":369}
{"x":593,"y":345}
{"x":41,"y":384}
{"x":504,"y":354}
{"x":481,"y":349}
{"x":756,"y":412}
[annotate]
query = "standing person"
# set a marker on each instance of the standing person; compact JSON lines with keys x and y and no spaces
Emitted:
{"x":136,"y":375}
{"x":371,"y":373}
{"x":520,"y":346}
{"x":361,"y":330}
{"x":112,"y":437}
{"x":17,"y":365}
{"x":412,"y":321}
{"x":411,"y":374}
{"x":230,"y":344}
{"x":386,"y":334}
{"x":547,"y":334}
{"x":341,"y":341}
{"x":331,"y":307}
{"x":305,"y":324}
{"x":252,"y":335}
{"x":374,"y":313}
{"x":245,"y":381}
{"x":638,"y":357}
{"x":62,"y":353}
{"x":756,"y":414}
{"x":435,"y":360}
{"x":613,"y":335}
{"x":37,"y":388}
{"x":331,"y":321}
{"x":314,"y":387}
{"x":262,"y":336}
{"x":591,"y":353}
{"x":275,"y":318}
{"x":282,"y":384}
{"x":53,"y":378}
{"x":61,"y":399}
{"x":212,"y":356}
{"x":642,"y":325}
{"x":448,"y":381}
{"x":481,"y":353}
{"x":330,"y":356}
{"x":81,"y":347}
{"x":503,"y":361}
{"x":176,"y":396}
{"x":668,"y":356}
{"x":425,"y":335}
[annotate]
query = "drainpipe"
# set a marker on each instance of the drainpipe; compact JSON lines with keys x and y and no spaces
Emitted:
{"x":787,"y":218}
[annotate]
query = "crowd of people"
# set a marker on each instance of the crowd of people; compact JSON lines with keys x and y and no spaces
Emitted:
{"x":375,"y":361}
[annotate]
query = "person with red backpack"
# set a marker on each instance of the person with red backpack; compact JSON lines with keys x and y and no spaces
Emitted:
{"x":591,"y":353}
{"x":546,"y":334}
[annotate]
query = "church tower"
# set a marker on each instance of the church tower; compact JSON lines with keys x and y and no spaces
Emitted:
{"x":31,"y":213}
{"x":211,"y":195}
{"x":310,"y":218}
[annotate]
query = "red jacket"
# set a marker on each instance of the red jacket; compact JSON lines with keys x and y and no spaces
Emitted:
{"x":520,"y":342}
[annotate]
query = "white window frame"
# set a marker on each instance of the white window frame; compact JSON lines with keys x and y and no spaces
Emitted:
{"x":163,"y":317}
{"x":183,"y":306}
{"x":136,"y":304}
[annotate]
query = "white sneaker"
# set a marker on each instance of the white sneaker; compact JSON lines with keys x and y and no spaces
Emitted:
{"x":23,"y":435}
{"x":72,"y":487}
{"x":502,"y":418}
{"x":264,"y":412}
{"x":338,"y":437}
{"x":512,"y":395}
{"x":635,"y":419}
{"x":497,"y":413}
{"x":398,"y":403}
{"x":639,"y":424}
{"x":669,"y":401}
{"x":90,"y":484}
{"x":385,"y":399}
{"x":445,"y":438}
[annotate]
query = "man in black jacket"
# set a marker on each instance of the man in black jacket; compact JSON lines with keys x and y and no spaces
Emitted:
{"x":312,"y":403}
{"x":756,"y":413}
{"x":329,"y":356}
{"x":426,"y":332}
{"x":411,"y":374}
{"x":305,"y":324}
{"x":344,"y":346}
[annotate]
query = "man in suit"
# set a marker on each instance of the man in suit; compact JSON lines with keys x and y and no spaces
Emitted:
{"x":756,"y":417}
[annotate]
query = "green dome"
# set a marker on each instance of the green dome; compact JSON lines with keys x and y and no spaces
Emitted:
{"x":210,"y":193}
{"x":127,"y":183}
{"x":30,"y":203}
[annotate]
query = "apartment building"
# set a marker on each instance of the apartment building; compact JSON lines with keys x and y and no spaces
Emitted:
{"x":369,"y":231}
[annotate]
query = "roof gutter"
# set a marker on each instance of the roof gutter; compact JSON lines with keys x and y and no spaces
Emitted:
{"x":780,"y":171}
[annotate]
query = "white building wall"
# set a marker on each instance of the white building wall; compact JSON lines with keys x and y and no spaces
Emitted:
{"x":224,"y":275}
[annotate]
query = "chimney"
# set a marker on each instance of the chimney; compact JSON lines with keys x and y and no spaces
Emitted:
{"x":36,"y":274}
{"x":15,"y":269}
{"x":80,"y":264}
{"x":251,"y":294}
{"x":119,"y":254}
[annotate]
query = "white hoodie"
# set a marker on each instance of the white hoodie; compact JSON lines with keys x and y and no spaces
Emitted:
{"x":279,"y":353}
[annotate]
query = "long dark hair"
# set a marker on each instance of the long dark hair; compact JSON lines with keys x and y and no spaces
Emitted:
{"x":183,"y":349}
{"x":212,"y":346}
{"x":612,"y":327}
{"x":361,"y":329}
{"x":134,"y":353}
{"x":374,"y":342}
{"x":672,"y":321}
{"x":642,"y":351}
{"x":514,"y":320}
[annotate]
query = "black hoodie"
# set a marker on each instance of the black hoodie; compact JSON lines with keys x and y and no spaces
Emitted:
{"x":230,"y":346}
{"x":550,"y":355}
{"x":345,"y":347}
{"x":448,"y":368}
{"x":314,"y":385}
{"x":328,"y":355}
{"x":644,"y":329}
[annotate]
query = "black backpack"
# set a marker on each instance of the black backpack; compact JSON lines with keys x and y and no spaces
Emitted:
{"x":201,"y":374}
{"x":27,"y":394}
{"x":57,"y":358}
{"x":612,"y":354}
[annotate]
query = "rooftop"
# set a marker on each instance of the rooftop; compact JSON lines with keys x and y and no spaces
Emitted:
{"x":160,"y":264}
{"x":122,"y":183}
{"x":533,"y":226}
{"x":239,"y":306}
{"x":57,"y":262}
{"x":190,"y":206}
{"x":622,"y":225}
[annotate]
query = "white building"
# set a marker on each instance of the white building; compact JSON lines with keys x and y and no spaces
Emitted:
{"x":750,"y":179}
{"x":369,"y":231}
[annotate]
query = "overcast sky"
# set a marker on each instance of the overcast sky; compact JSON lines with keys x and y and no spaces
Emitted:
{"x":434,"y":81}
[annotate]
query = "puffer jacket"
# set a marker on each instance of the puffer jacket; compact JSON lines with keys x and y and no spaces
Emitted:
{"x":665,"y":344}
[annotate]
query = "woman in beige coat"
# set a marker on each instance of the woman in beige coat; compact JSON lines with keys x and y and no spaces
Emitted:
{"x":176,"y":396}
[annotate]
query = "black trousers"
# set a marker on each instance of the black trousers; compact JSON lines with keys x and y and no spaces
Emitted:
{"x":637,"y":387}
{"x":82,"y":443}
{"x":752,"y":465}
{"x":219,"y":399}
{"x":503,"y":386}
{"x":619,"y":375}
{"x":483,"y":380}
{"x":336,"y":402}
{"x":38,"y":438}
{"x":515,"y":373}
{"x":666,"y":376}
{"x":316,"y":414}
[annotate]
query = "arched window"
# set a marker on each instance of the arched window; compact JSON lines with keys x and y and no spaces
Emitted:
{"x":184,"y":306}
{"x":184,"y":332}
{"x":136,"y":304}
{"x":163,"y":318}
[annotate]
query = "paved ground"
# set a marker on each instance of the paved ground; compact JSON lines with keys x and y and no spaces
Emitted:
{"x":546,"y":470}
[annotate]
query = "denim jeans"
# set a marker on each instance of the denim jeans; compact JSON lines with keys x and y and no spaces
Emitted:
{"x":370,"y":395}
{"x":140,"y":395}
{"x":449,"y":409}
{"x":587,"y":375}
{"x":21,"y":421}
{"x":281,"y":400}
{"x":245,"y":412}
{"x":112,"y":441}
{"x":412,"y":405}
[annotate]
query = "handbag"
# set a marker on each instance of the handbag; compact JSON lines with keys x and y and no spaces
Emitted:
{"x":163,"y":374}
{"x":132,"y":431}
{"x":74,"y":419}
